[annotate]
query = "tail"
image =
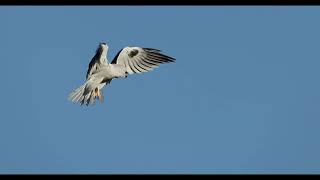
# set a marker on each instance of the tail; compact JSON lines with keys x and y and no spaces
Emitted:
{"x":86,"y":95}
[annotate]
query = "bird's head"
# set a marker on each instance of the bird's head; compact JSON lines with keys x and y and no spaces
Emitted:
{"x":103,"y":45}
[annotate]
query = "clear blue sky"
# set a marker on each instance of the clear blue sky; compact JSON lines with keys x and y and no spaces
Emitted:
{"x":242,"y":97}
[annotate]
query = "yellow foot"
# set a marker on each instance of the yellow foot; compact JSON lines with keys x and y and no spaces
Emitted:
{"x":100,"y":95}
{"x":94,"y":94}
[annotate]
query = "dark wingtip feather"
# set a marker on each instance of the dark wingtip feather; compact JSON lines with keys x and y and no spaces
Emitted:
{"x":151,"y":50}
{"x":168,"y":58}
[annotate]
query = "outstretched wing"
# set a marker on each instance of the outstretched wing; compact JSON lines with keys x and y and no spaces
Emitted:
{"x":98,"y":59}
{"x":138,"y":60}
{"x":92,"y":67}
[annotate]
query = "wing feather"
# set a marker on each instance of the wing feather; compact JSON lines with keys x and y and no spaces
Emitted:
{"x":97,"y":61}
{"x":139,"y":60}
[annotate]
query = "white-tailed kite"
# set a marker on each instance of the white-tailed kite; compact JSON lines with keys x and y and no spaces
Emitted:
{"x":129,"y":60}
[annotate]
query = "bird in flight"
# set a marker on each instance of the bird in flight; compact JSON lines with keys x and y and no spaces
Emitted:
{"x":129,"y":60}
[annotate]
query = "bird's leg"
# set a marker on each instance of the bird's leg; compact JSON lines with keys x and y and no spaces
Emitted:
{"x":100,"y":95}
{"x":97,"y":93}
{"x":93,"y":93}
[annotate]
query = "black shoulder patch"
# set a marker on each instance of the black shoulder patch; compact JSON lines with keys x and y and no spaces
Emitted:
{"x":133,"y":52}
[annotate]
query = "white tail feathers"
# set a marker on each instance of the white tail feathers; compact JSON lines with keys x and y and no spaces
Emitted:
{"x":87,"y":94}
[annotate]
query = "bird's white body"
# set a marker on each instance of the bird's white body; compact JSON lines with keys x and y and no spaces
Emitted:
{"x":100,"y":72}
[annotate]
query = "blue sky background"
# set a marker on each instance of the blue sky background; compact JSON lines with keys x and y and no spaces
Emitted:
{"x":242,"y":97}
